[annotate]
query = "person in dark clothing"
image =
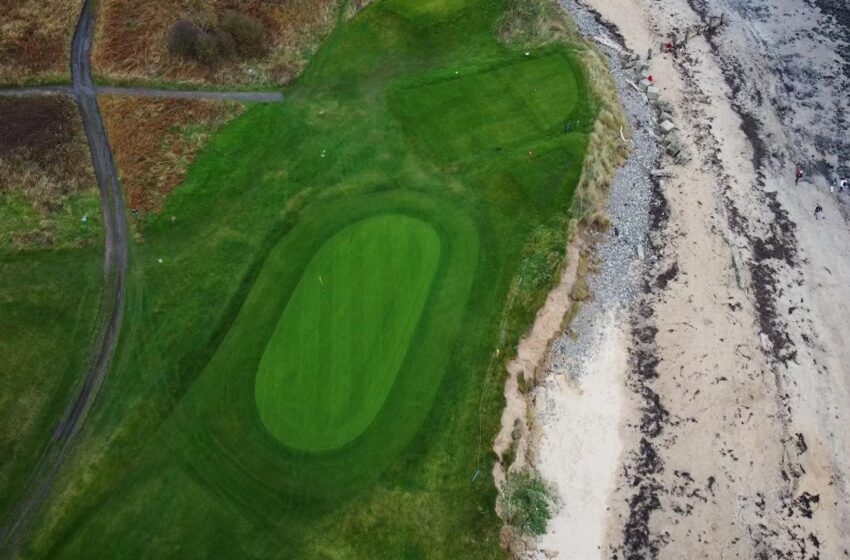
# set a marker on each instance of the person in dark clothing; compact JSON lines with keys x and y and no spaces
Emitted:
{"x":798,"y":175}
{"x":818,"y":212}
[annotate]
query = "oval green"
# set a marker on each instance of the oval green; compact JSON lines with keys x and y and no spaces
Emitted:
{"x":341,"y":339}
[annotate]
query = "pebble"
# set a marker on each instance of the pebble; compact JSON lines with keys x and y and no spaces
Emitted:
{"x":617,"y":284}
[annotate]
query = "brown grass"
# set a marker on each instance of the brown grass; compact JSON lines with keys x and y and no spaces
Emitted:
{"x":43,"y":150}
{"x":35,"y":40}
{"x":154,"y":141}
{"x":132,"y":36}
{"x":44,"y":165}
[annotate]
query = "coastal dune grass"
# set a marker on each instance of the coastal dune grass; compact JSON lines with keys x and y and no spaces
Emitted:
{"x":309,"y":366}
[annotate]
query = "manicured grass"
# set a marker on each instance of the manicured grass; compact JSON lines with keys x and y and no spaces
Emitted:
{"x":336,"y":351}
{"x":220,"y":430}
{"x":508,"y":106}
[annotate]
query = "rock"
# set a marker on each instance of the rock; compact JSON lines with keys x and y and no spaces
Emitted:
{"x":666,"y":126}
{"x":550,"y":553}
{"x":644,"y":84}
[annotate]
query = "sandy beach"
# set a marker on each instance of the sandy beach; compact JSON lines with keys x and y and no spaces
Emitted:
{"x":706,"y":416}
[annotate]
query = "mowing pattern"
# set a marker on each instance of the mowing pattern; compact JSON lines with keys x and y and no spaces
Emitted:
{"x":340,"y":342}
{"x":319,"y":303}
{"x":505,"y":106}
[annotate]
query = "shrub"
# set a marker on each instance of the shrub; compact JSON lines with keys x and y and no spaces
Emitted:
{"x":526,"y":502}
{"x":206,"y":48}
{"x":247,"y":33}
{"x":235,"y":34}
{"x":183,"y":38}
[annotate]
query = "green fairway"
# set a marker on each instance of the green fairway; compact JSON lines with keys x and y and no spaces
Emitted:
{"x":311,"y":364}
{"x":340,"y":341}
{"x":506,"y":106}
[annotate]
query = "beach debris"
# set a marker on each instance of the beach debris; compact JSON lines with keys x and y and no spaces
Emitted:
{"x":653,"y":93}
{"x":738,"y":265}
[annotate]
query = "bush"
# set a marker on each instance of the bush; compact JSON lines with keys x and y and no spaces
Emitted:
{"x":235,"y":34}
{"x":183,"y":38}
{"x":247,"y":33}
{"x":526,"y":502}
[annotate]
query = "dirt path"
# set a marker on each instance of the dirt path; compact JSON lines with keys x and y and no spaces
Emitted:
{"x":734,"y":419}
{"x":245,"y":96}
{"x":242,"y":96}
{"x":112,"y":300}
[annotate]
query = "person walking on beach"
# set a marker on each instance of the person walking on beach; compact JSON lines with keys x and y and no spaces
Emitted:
{"x":818,"y":212}
{"x":844,"y":185}
{"x":798,"y":175}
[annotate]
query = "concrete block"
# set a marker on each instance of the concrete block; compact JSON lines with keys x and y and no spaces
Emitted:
{"x":666,"y":106}
{"x":666,"y":126}
{"x":644,"y":74}
{"x":653,"y":93}
{"x":644,"y":84}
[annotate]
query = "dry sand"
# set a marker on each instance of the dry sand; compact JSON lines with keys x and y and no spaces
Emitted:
{"x":729,"y":404}
{"x":580,"y":449}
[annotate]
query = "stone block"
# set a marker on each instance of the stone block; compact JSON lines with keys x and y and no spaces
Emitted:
{"x":652,"y":93}
{"x":667,"y":126}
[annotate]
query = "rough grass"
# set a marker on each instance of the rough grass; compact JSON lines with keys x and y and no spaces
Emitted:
{"x":131,"y":43}
{"x":35,"y":40}
{"x":155,"y":140}
{"x":526,"y":502}
{"x":50,"y":276}
{"x":46,"y":179}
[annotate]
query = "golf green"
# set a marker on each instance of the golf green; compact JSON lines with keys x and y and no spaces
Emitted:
{"x":343,"y":335}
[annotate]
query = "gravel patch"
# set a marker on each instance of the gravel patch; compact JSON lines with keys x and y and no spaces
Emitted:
{"x":615,"y":286}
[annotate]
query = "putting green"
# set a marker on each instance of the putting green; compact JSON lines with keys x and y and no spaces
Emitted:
{"x":344,"y":333}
